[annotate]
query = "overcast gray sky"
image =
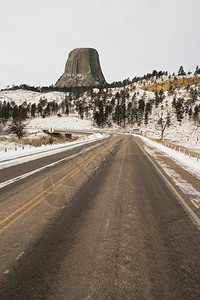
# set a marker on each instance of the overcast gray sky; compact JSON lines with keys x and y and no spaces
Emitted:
{"x":132,"y":37}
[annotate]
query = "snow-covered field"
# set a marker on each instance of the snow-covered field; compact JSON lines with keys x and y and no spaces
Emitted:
{"x":36,"y":125}
{"x":21,"y":96}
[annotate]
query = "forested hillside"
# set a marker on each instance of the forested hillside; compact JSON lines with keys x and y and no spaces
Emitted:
{"x":157,"y":104}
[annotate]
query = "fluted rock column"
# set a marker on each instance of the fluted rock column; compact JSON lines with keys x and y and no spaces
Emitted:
{"x":82,"y":69}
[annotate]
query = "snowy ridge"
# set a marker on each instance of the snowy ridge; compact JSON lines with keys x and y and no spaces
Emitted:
{"x":21,"y":96}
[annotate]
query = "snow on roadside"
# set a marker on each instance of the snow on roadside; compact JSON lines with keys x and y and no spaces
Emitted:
{"x":13,"y":157}
{"x":190,"y":163}
{"x":185,"y":186}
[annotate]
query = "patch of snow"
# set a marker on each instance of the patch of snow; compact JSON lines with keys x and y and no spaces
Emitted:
{"x":71,"y":122}
{"x":190,"y":163}
{"x":95,"y":136}
{"x":186,"y":187}
{"x":13,"y":157}
{"x":21,"y":96}
{"x":15,"y":179}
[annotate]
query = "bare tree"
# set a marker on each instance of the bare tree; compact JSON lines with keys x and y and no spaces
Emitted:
{"x":163,"y":123}
{"x":18,"y":127}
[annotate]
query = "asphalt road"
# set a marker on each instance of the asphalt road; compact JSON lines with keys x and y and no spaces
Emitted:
{"x":103,"y":225}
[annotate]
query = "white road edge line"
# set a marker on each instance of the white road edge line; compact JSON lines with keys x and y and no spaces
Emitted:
{"x":32,"y":156}
{"x":186,"y":207}
{"x":10,"y":181}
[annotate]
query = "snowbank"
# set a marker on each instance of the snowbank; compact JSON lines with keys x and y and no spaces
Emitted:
{"x":13,"y":157}
{"x":190,"y":163}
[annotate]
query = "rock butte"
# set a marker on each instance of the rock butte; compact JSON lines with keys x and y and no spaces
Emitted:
{"x":82,"y":69}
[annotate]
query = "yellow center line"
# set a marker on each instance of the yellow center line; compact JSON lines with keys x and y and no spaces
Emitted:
{"x":56,"y":186}
{"x":45,"y":191}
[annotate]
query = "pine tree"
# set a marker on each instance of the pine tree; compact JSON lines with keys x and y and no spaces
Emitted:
{"x":6,"y":111}
{"x":197,"y":70}
{"x":99,"y":116}
{"x":141,"y":105}
{"x":190,"y":113}
{"x":181,"y":71}
{"x":40,"y":109}
{"x":146,"y":118}
{"x":171,"y":90}
{"x":33,"y":110}
{"x":196,"y":113}
{"x":148,"y":108}
{"x":47,"y":110}
{"x":179,"y":109}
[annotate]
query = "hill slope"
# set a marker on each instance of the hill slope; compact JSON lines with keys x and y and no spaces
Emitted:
{"x":171,"y":105}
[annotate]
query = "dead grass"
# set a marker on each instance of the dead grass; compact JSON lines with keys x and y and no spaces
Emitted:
{"x":35,"y":142}
{"x":179,"y":83}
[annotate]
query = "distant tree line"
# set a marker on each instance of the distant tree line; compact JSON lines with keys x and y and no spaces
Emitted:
{"x":124,"y":83}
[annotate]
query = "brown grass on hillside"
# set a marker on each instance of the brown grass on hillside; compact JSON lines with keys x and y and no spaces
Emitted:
{"x":178,"y":83}
{"x":35,"y":142}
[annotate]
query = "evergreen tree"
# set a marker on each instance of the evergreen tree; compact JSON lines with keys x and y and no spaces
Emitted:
{"x":171,"y":90}
{"x":179,"y":109}
{"x":190,"y":113}
{"x":146,"y":118}
{"x":194,"y":94}
{"x":196,"y":113}
{"x":117,"y":114}
{"x":129,"y":113}
{"x":6,"y":111}
{"x":33,"y":110}
{"x":43,"y":102}
{"x":67,"y":108}
{"x":181,"y":71}
{"x":40,"y":109}
{"x":161,"y":95}
{"x":99,"y":116}
{"x":148,"y":108}
{"x":197,"y":71}
{"x":141,"y":105}
{"x":47,"y":110}
{"x":157,"y":98}
{"x":135,"y":114}
{"x":80,"y":109}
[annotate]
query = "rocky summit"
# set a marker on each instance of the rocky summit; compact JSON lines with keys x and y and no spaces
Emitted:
{"x":82,"y":69}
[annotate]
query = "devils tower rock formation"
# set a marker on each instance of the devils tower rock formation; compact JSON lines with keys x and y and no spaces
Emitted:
{"x":82,"y":69}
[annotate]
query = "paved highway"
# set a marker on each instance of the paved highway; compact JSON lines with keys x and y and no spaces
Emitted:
{"x":101,"y":225}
